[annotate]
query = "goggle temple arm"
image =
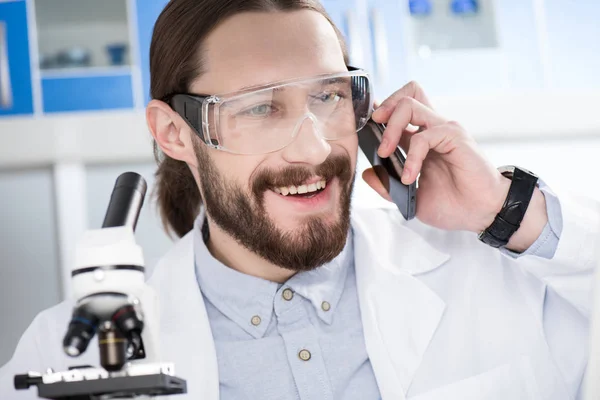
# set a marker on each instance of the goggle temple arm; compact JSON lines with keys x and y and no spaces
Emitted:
{"x":189,"y":108}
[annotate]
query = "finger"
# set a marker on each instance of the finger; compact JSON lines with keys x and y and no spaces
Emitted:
{"x":440,"y":139}
{"x":408,"y":111}
{"x":370,"y":177}
{"x":405,"y":139}
{"x":411,"y":89}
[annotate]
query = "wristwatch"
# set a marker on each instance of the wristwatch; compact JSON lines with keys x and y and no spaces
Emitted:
{"x":509,"y":219}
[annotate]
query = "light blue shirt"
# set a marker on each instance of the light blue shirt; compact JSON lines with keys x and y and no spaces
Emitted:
{"x":308,"y":345}
{"x":300,"y":340}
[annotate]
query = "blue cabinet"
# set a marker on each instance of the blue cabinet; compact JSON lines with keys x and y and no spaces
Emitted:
{"x":15,"y":70}
{"x":86,"y":55}
{"x":87,"y":93}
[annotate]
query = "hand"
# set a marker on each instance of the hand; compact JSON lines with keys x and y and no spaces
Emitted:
{"x":458,"y":188}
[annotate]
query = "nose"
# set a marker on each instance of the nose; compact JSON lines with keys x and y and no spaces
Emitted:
{"x":308,"y":145}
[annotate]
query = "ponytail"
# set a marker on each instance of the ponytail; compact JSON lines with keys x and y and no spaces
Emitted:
{"x":177,"y":194}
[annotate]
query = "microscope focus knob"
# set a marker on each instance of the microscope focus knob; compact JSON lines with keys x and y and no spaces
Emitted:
{"x":25,"y":381}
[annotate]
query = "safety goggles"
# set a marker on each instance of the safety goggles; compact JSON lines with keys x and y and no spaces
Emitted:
{"x":267,"y":118}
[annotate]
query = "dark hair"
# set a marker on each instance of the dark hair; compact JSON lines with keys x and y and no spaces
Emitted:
{"x":184,"y":25}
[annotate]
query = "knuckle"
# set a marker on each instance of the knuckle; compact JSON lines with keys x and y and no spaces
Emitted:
{"x":406,"y":101}
{"x":418,"y":140}
{"x":455,"y":128}
{"x":413,"y":86}
{"x":454,"y":125}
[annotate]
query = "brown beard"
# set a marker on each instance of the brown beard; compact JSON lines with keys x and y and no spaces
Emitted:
{"x":242,"y":215}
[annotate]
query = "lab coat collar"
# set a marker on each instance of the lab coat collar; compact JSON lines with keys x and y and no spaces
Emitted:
{"x":399,"y":313}
{"x":184,"y":321}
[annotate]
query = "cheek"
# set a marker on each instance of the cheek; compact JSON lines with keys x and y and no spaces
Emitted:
{"x":236,"y":169}
{"x":349,"y":146}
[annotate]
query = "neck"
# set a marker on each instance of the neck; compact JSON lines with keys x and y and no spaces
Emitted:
{"x":232,"y":254}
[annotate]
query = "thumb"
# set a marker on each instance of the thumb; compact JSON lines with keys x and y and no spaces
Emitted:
{"x":370,"y":177}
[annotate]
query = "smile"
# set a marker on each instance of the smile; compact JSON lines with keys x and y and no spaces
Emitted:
{"x":306,"y":189}
{"x":315,"y":195}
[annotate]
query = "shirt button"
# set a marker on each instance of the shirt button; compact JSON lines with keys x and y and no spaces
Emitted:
{"x":255,"y":320}
{"x":287,"y":294}
{"x":325,"y":306}
{"x":304,"y":355}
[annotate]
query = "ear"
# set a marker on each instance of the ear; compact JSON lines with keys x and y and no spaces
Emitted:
{"x":171,"y":133}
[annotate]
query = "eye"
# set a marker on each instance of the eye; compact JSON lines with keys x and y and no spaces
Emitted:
{"x":262,"y":110}
{"x":329,"y":97}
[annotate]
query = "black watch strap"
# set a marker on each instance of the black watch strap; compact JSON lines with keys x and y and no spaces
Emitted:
{"x":509,"y":219}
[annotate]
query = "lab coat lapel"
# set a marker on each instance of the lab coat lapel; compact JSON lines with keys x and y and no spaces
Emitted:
{"x":185,"y":334}
{"x":400,"y":314}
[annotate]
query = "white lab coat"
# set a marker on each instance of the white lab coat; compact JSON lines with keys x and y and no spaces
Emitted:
{"x":444,"y":316}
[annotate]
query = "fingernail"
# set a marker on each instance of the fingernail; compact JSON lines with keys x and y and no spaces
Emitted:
{"x":405,"y":174}
{"x":384,"y":145}
{"x":379,"y":110}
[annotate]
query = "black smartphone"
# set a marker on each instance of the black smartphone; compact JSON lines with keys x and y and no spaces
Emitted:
{"x":389,"y":170}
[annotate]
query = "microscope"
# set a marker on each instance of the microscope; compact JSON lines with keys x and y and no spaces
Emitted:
{"x":114,"y":303}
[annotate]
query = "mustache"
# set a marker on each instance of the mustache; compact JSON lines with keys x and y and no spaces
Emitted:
{"x":334,"y":166}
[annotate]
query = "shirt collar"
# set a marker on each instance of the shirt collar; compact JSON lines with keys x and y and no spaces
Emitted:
{"x":324,"y":286}
{"x":240,"y":297}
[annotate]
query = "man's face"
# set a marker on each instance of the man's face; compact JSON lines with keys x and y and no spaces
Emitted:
{"x":245,"y":195}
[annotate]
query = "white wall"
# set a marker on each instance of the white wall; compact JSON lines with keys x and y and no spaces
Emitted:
{"x":29,"y":264}
{"x":571,"y":165}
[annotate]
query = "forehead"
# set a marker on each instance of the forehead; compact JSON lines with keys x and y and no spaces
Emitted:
{"x":258,"y":48}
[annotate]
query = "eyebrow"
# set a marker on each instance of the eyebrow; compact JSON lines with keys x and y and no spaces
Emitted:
{"x":341,"y":79}
{"x":257,"y":87}
{"x":331,"y":81}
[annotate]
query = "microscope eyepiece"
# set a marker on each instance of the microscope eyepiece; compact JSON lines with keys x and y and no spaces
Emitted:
{"x":81,"y":331}
{"x":126,"y":201}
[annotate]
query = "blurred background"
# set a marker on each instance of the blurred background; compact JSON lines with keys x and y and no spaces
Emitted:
{"x":522,"y":75}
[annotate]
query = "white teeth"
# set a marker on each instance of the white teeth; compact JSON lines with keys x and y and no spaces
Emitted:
{"x":313,"y":187}
{"x":302,"y":189}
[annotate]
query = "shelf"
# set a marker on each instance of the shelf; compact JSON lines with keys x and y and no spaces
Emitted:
{"x":85,"y":71}
{"x":536,"y":115}
{"x":90,"y":137}
{"x":75,"y":32}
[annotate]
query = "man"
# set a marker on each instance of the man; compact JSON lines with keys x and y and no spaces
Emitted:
{"x":279,"y":289}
